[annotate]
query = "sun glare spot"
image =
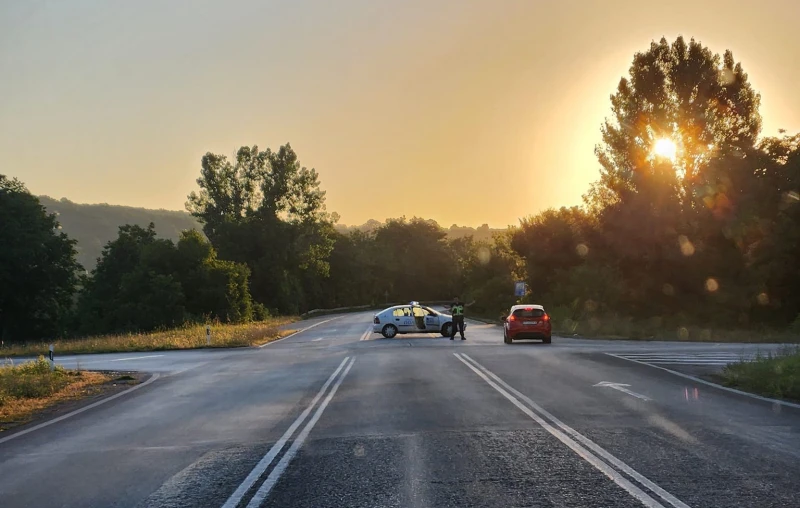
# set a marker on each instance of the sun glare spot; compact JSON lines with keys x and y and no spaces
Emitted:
{"x":665,"y":148}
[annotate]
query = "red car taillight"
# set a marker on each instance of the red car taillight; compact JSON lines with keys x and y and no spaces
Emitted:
{"x":546,"y":317}
{"x":377,"y":320}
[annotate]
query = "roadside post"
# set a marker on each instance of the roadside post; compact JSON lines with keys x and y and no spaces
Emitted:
{"x":51,"y":357}
{"x":208,"y":335}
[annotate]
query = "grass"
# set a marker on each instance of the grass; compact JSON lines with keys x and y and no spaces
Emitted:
{"x":776,"y":376}
{"x":32,"y":386}
{"x":186,"y":337}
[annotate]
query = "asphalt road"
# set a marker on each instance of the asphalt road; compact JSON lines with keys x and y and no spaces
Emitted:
{"x":325,"y":418}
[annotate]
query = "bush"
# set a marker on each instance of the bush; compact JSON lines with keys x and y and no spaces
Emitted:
{"x":31,"y":380}
{"x":260,"y":312}
{"x":771,"y":375}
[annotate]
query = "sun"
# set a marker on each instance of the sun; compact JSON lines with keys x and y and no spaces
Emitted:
{"x":665,"y":148}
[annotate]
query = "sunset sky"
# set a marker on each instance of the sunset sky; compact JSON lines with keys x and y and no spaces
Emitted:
{"x":468,"y":111}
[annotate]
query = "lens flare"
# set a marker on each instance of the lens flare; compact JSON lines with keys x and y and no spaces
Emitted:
{"x":665,"y":148}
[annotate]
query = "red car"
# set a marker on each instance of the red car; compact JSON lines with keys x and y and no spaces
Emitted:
{"x":527,"y":322}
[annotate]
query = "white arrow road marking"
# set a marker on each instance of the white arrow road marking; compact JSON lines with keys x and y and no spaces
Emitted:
{"x":622,"y":388}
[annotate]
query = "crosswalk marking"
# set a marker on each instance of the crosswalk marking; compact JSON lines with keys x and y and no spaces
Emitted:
{"x":680,"y":358}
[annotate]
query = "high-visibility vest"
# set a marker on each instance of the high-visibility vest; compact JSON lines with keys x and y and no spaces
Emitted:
{"x":458,"y":310}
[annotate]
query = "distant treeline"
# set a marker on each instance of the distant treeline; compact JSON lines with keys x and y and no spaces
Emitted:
{"x":694,"y":222}
{"x":94,"y":225}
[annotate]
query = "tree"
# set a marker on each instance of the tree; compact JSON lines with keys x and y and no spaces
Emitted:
{"x":38,"y":270}
{"x":665,"y":219}
{"x":268,"y":211}
{"x":683,"y":94}
{"x":142,"y":282}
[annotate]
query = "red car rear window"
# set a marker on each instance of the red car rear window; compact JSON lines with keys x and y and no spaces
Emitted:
{"x":528,"y":313}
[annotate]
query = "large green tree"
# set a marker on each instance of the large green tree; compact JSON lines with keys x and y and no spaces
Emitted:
{"x":38,"y":270}
{"x":142,"y":282}
{"x":267,"y":210}
{"x":688,"y":98}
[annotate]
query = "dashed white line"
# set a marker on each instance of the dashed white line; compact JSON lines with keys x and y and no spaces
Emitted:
{"x":571,"y":440}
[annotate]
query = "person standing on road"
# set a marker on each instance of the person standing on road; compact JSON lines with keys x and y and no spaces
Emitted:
{"x":457,"y":311}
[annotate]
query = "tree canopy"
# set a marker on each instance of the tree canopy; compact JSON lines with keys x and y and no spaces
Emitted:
{"x":38,"y":270}
{"x":143,"y":282}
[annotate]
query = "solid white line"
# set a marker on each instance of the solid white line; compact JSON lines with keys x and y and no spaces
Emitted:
{"x":672,"y":362}
{"x":710,"y":357}
{"x":709,"y":383}
{"x":264,"y":463}
{"x":300,"y":331}
{"x":134,"y":358}
{"x":582,"y":452}
{"x":365,"y":335}
{"x":78,"y":411}
{"x":688,"y":358}
{"x":276,"y":473}
{"x":677,"y":503}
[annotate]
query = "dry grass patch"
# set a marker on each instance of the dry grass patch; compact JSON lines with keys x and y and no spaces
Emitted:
{"x":185,"y":337}
{"x":31,"y":387}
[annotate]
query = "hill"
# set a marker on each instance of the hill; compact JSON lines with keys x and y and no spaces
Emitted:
{"x":95,"y":225}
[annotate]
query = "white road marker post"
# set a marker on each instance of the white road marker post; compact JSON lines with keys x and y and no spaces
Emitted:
{"x":51,"y":357}
{"x":208,"y":335}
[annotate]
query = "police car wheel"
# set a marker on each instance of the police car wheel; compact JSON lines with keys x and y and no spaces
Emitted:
{"x":447,"y":329}
{"x":389,"y":331}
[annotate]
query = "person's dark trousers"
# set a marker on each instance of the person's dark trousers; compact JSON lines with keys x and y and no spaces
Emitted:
{"x":458,"y":322}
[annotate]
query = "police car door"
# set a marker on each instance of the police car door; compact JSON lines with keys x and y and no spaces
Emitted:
{"x":431,"y":320}
{"x":404,"y":319}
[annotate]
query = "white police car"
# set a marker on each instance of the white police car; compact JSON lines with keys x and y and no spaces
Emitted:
{"x":411,"y":318}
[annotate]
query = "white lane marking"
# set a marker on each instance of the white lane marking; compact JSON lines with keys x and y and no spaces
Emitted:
{"x":78,"y":411}
{"x":700,"y":358}
{"x":366,"y":334}
{"x":582,"y":452}
{"x":264,"y":463}
{"x":300,"y":331}
{"x":622,"y":388}
{"x":684,"y":355}
{"x":134,"y":358}
{"x":317,"y":339}
{"x":709,"y":383}
{"x":689,"y":362}
{"x":674,"y":501}
{"x":276,"y":473}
